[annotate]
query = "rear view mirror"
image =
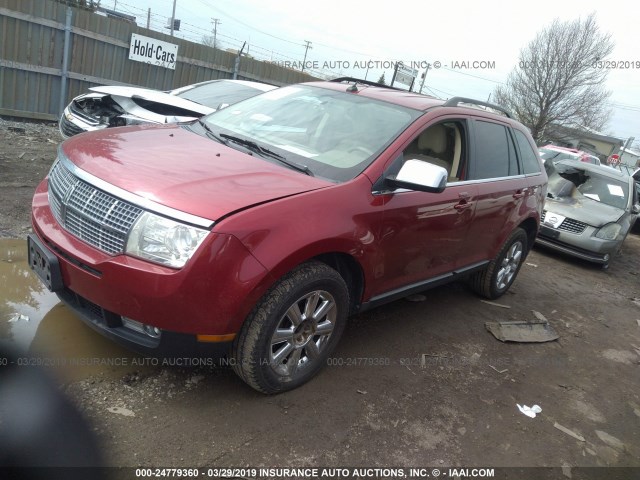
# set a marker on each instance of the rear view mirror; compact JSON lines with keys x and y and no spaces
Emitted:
{"x":421,"y":176}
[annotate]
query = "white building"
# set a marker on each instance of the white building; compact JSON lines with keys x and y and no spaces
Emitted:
{"x":629,"y":157}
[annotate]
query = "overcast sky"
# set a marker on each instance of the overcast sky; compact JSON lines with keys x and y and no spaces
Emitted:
{"x":344,"y":32}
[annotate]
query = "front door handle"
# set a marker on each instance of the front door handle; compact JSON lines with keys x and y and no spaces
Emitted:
{"x":463,"y":205}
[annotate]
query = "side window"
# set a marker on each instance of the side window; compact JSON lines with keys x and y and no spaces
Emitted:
{"x":530,"y":162}
{"x":494,"y":151}
{"x":442,"y":144}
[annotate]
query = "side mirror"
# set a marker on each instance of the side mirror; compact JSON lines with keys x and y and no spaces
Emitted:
{"x":635,"y":209}
{"x":421,"y":176}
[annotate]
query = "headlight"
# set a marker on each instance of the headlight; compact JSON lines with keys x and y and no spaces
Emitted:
{"x":609,"y":232}
{"x":164,"y":241}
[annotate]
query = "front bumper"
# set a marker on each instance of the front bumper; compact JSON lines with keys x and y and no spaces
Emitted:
{"x":584,"y":245}
{"x":169,"y":344}
{"x":198,"y":308}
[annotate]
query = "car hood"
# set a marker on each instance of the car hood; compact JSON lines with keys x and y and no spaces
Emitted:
{"x":153,"y":96}
{"x":174,"y":167}
{"x":585,"y":210}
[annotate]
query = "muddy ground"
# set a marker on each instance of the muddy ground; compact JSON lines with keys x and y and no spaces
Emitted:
{"x":415,"y":383}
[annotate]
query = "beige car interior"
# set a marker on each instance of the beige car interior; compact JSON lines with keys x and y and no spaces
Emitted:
{"x":441,"y":145}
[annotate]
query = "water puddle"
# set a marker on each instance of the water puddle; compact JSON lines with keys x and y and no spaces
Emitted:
{"x":45,"y":332}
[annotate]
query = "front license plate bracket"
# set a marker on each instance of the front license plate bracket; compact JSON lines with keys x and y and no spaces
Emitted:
{"x":549,"y":232}
{"x":44,"y":263}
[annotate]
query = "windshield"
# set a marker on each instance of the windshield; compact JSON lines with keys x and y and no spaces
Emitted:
{"x":218,"y":92}
{"x":333,"y":133}
{"x":557,"y":155}
{"x":591,"y":185}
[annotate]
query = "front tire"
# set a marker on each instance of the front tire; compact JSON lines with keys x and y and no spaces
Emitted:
{"x":495,"y":280}
{"x":290,"y":333}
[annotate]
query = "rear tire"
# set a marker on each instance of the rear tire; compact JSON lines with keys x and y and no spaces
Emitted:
{"x":497,"y":277}
{"x":290,"y":333}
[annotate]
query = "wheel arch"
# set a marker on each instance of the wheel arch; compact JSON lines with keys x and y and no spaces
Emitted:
{"x":530,"y":226}
{"x":333,"y":255}
{"x":350,"y":270}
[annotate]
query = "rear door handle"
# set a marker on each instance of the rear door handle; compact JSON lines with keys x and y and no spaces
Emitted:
{"x":520,"y":193}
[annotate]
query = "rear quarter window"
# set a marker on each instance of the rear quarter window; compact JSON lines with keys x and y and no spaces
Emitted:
{"x":529,"y":159}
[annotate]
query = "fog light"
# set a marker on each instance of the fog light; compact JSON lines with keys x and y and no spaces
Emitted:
{"x":151,"y":331}
{"x":606,"y":257}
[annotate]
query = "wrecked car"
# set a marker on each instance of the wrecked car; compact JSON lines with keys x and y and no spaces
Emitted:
{"x":556,"y":153}
{"x":589,"y":210}
{"x":117,"y":106}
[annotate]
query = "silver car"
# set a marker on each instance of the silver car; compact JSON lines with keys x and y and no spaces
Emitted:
{"x":588,"y":211}
{"x":116,"y":106}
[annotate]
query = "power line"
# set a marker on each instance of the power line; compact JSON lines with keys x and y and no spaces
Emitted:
{"x":472,"y":75}
{"x":433,"y":93}
{"x":254,"y":28}
{"x":441,"y":91}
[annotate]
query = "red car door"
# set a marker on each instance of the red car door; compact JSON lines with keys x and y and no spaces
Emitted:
{"x":424,"y":235}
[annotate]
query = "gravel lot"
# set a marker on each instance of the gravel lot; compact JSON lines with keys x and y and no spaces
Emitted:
{"x":413,"y":383}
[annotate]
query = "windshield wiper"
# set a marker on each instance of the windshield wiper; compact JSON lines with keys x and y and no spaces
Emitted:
{"x":211,"y":134}
{"x":251,"y":145}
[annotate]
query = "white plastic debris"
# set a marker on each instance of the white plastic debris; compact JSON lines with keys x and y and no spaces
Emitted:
{"x":529,"y":411}
{"x":122,"y":411}
{"x":18,"y":317}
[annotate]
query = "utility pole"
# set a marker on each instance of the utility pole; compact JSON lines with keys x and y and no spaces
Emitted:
{"x":215,"y":22}
{"x":424,"y":76}
{"x":307,"y":47}
{"x":149,"y":18}
{"x":626,"y":147}
{"x":236,"y":67}
{"x":173,"y":16}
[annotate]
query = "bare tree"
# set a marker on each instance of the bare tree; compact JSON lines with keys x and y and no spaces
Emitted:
{"x":559,"y":79}
{"x":210,"y":41}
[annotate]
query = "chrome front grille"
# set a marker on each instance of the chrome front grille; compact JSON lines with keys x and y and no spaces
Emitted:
{"x":88,"y":213}
{"x":568,"y":224}
{"x":573,"y":226}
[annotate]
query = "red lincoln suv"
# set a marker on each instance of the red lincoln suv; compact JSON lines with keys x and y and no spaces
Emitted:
{"x":255,"y":232}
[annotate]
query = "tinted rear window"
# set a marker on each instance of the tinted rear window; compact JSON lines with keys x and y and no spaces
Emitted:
{"x":529,"y":159}
{"x":492,"y":159}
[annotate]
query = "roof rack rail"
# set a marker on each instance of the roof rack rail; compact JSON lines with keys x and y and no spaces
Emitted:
{"x":363,"y":82}
{"x":454,"y":101}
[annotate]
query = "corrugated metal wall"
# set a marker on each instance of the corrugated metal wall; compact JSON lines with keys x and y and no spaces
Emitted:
{"x":32,"y":36}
